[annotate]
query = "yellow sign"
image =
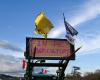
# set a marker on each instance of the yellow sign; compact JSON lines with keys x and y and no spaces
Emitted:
{"x":42,"y":25}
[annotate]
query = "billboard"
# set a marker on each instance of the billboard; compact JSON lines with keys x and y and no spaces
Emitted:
{"x":48,"y":48}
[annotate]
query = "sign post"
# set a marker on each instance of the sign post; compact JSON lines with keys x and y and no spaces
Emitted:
{"x":42,"y":49}
{"x":48,"y":49}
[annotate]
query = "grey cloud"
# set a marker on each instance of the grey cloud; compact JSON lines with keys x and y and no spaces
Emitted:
{"x":10,"y":65}
{"x":13,"y":66}
{"x":9,"y":46}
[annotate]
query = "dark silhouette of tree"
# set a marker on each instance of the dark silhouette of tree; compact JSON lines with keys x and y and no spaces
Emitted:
{"x":88,"y":76}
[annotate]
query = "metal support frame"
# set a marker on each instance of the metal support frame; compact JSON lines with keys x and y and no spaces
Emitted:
{"x":61,"y":65}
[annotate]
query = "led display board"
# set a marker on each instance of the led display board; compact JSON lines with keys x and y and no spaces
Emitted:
{"x":48,"y":48}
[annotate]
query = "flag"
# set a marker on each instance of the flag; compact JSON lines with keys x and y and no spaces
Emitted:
{"x":69,"y":28}
{"x":70,"y":39}
{"x":42,"y":25}
{"x":24,"y":64}
{"x":70,"y":32}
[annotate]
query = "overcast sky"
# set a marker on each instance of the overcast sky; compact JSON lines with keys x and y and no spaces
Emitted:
{"x":17,"y":22}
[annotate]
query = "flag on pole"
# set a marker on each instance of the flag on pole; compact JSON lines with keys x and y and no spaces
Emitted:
{"x":70,"y":32}
{"x":42,"y":25}
{"x":24,"y":64}
{"x":70,"y":39}
{"x":69,"y":28}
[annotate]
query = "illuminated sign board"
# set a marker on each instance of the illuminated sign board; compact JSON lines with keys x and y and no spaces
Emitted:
{"x":48,"y":48}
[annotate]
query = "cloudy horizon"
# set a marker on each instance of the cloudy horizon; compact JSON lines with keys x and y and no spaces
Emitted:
{"x":84,"y":16}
